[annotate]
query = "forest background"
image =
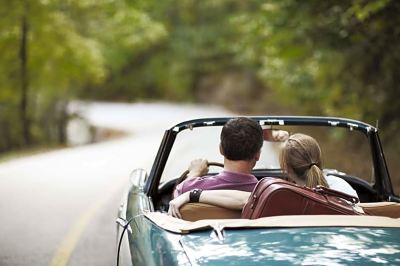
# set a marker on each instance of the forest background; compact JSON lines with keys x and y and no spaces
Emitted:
{"x":336,"y":58}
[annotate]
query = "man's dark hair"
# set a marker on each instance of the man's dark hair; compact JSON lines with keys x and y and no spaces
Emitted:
{"x":241,"y":139}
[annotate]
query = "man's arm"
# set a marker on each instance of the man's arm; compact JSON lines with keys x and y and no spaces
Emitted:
{"x":231,"y":199}
{"x":197,"y":167}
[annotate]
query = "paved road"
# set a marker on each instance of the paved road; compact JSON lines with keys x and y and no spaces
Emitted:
{"x":59,"y":208}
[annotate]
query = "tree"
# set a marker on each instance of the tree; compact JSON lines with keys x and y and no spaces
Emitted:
{"x":51,"y":50}
{"x":199,"y":41}
{"x":329,"y":57}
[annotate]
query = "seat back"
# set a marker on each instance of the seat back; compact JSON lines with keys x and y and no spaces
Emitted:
{"x":387,"y":209}
{"x":200,"y":211}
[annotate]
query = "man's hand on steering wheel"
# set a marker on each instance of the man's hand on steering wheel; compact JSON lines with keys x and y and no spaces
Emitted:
{"x":198,"y":167}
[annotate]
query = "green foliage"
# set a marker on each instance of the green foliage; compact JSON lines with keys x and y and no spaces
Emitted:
{"x":70,"y":45}
{"x":324,"y":57}
{"x":199,"y":41}
{"x":328,"y":57}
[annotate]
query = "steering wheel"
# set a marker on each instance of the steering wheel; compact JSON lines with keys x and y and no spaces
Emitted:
{"x":184,"y":174}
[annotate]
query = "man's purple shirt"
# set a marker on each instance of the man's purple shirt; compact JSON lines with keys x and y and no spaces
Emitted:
{"x":224,"y":180}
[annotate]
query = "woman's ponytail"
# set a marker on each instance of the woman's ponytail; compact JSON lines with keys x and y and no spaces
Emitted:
{"x":315,"y":177}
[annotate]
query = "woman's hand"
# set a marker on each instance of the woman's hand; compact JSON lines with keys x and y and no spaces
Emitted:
{"x":275,"y":135}
{"x":280,"y":135}
{"x":177,"y":203}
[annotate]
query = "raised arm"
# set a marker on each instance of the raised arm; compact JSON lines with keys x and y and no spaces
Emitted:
{"x":275,"y":135}
{"x":231,"y":199}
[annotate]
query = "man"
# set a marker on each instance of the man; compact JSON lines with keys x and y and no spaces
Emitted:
{"x":241,"y":140}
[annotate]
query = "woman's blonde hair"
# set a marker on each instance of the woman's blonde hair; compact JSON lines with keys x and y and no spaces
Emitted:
{"x":302,"y":154}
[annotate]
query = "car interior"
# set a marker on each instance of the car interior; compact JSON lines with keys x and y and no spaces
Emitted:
{"x":361,"y":176}
{"x":370,"y":201}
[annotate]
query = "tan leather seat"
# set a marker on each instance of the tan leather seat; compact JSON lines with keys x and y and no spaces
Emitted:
{"x":200,"y":211}
{"x":388,"y":209}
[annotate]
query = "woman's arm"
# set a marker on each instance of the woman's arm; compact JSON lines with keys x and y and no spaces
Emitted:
{"x":275,"y":135}
{"x":231,"y":199}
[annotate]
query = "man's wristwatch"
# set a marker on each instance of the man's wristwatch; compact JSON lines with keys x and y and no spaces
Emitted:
{"x":194,"y":195}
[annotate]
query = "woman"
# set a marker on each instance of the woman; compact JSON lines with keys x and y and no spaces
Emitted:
{"x":300,"y":158}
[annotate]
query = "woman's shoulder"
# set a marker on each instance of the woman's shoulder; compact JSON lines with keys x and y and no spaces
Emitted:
{"x":341,"y":185}
{"x":334,"y":179}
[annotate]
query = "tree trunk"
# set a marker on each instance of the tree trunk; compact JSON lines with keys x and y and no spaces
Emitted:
{"x":23,"y":58}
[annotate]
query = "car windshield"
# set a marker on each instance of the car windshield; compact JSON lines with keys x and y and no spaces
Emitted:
{"x":343,"y":150}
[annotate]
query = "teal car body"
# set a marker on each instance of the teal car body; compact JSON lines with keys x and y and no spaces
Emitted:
{"x":153,"y":245}
{"x":295,"y":246}
{"x":140,"y":241}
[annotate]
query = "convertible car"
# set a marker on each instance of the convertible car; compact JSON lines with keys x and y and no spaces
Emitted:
{"x":212,"y":235}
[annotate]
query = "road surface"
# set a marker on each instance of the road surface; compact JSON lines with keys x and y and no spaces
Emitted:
{"x":59,"y":208}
